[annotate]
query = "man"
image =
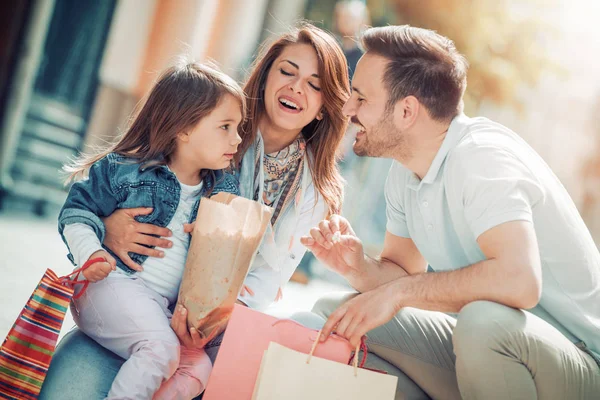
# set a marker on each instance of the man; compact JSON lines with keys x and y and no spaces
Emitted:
{"x":476,"y":203}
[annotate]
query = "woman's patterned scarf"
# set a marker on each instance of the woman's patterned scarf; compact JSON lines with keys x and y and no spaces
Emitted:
{"x":280,"y":167}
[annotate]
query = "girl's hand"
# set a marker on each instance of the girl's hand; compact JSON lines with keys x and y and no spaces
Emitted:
{"x":124,"y":234}
{"x":189,"y":228}
{"x":188,"y":338}
{"x":100,"y":270}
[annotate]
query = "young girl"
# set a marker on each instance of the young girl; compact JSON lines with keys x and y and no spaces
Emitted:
{"x":172,"y":155}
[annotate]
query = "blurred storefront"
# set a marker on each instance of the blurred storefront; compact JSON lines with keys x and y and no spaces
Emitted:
{"x":49,"y":93}
{"x":72,"y":71}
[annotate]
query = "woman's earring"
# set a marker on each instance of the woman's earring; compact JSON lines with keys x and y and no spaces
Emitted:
{"x":321,"y":114}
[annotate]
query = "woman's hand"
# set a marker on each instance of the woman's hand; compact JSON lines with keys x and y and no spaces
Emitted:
{"x":124,"y":234}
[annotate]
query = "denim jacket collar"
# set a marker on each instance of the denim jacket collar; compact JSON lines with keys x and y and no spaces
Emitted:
{"x":118,"y":182}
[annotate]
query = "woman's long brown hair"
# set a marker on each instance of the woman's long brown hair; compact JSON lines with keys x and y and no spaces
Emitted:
{"x":182,"y":96}
{"x":323,"y":137}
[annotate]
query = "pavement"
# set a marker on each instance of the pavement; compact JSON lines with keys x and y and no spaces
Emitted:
{"x":29,"y":245}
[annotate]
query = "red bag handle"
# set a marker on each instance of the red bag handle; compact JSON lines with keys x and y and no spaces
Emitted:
{"x":353,"y":357}
{"x":66,"y":280}
{"x":362,"y":346}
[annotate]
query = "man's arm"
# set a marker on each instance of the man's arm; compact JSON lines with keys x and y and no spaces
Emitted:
{"x":510,"y":275}
{"x":399,"y":258}
{"x":496,"y":192}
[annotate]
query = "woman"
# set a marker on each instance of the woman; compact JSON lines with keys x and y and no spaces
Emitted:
{"x":287,"y":160}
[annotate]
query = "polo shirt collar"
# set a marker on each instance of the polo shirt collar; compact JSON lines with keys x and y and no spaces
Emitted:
{"x":456,"y":131}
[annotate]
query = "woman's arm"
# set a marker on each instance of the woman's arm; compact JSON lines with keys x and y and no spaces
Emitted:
{"x":124,"y":234}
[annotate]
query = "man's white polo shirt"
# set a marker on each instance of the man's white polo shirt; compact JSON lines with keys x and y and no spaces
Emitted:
{"x":485,"y":175}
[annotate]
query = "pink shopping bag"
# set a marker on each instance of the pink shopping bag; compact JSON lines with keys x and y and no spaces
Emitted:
{"x":246,"y":339}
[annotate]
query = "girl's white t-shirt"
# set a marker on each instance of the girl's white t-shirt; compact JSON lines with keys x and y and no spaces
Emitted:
{"x":160,"y":274}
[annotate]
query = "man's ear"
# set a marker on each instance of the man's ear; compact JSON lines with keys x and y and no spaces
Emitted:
{"x":406,"y":112}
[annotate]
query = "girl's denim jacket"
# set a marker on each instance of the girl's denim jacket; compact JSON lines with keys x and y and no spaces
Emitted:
{"x":119,"y":182}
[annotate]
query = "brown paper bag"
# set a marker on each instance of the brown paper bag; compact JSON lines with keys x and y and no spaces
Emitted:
{"x":288,"y":374}
{"x":226,"y":236}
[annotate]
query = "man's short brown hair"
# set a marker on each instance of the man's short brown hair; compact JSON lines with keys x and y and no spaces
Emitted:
{"x":423,"y":64}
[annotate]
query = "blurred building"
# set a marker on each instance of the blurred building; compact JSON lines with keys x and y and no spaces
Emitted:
{"x":71,"y":72}
{"x":52,"y":53}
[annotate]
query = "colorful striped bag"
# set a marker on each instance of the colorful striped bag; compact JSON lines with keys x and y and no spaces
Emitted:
{"x":27,"y":350}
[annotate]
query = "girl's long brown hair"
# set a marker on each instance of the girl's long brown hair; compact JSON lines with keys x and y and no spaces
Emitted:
{"x":323,"y":137}
{"x":182,"y":96}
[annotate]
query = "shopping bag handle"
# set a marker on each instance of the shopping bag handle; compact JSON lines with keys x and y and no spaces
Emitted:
{"x":66,"y":280}
{"x":361,"y":346}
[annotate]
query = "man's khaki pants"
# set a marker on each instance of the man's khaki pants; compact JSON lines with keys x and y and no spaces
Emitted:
{"x":489,"y":352}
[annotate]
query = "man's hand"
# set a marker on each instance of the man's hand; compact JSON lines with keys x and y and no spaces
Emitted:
{"x":100,"y":270}
{"x":124,"y":234}
{"x":188,"y":338}
{"x":344,"y":255}
{"x":367,"y":311}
